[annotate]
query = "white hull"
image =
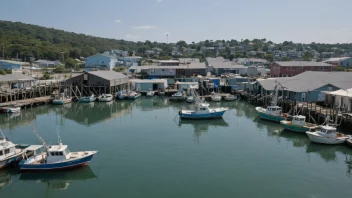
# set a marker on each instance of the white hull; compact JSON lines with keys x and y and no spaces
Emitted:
{"x":314,"y":137}
{"x":230,"y":98}
{"x":216,"y":99}
{"x":105,"y":99}
{"x":14,"y":110}
{"x":150,"y":94}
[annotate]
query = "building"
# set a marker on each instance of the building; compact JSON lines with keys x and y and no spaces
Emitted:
{"x":327,"y":54}
{"x":292,"y":68}
{"x":188,"y":60}
{"x":144,"y":85}
{"x":220,"y":66}
{"x":130,"y":61}
{"x":192,"y":69}
{"x":250,"y":61}
{"x":15,"y":81}
{"x":102,"y":81}
{"x":13,"y":65}
{"x":308,"y":86}
{"x":340,"y":98}
{"x":100,"y":61}
{"x":47,"y":63}
{"x":168,"y":62}
{"x":342,"y":61}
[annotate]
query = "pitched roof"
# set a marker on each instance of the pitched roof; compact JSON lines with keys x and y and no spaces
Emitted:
{"x":191,"y":60}
{"x":301,"y":64}
{"x":310,"y":80}
{"x":337,"y":59}
{"x":106,"y":55}
{"x":15,"y":77}
{"x":108,"y":75}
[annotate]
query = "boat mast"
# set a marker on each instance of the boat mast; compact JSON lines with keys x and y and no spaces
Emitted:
{"x":3,"y":135}
{"x":40,"y":138}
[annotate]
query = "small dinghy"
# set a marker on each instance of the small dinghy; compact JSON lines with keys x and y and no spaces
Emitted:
{"x":121,"y":94}
{"x":230,"y":97}
{"x":88,"y":99}
{"x":150,"y":93}
{"x":105,"y":98}
{"x":62,"y":100}
{"x":215,"y":97}
{"x":178,"y":96}
{"x":134,"y":95}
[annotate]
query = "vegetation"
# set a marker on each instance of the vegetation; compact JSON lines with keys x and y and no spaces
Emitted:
{"x":339,"y":68}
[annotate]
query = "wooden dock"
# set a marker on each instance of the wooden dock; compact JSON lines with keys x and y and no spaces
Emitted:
{"x":28,"y":102}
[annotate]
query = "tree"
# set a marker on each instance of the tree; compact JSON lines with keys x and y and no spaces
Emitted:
{"x":286,"y":59}
{"x":181,"y":44}
{"x":71,"y":63}
{"x":269,"y":57}
{"x":307,"y":56}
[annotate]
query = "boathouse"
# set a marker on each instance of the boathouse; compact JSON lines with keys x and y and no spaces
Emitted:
{"x":309,"y":86}
{"x":144,"y":85}
{"x":340,"y":98}
{"x":98,"y":82}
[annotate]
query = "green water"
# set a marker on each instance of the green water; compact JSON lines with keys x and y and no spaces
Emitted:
{"x":145,"y":152}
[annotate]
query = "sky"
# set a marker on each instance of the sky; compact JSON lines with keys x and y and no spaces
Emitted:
{"x":303,"y":21}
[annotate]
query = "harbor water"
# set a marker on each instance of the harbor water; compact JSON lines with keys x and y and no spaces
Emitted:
{"x":146,"y":151}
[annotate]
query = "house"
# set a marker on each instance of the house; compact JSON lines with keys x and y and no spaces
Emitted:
{"x":192,"y":69}
{"x":100,"y":61}
{"x":181,"y":86}
{"x":168,"y":62}
{"x":13,"y":65}
{"x":188,"y":60}
{"x":250,"y":61}
{"x":130,"y":61}
{"x":292,"y":68}
{"x":340,"y":98}
{"x":327,"y":54}
{"x":104,"y":81}
{"x":144,"y":85}
{"x":342,"y":61}
{"x":47,"y":63}
{"x":219,"y":66}
{"x":308,"y":86}
{"x":15,"y":81}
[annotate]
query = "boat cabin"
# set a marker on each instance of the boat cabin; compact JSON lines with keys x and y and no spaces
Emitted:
{"x":203,"y":108}
{"x":33,"y":150}
{"x":298,"y":120}
{"x":58,"y":153}
{"x":7,"y":148}
{"x":328,"y":129}
{"x":274,"y":110}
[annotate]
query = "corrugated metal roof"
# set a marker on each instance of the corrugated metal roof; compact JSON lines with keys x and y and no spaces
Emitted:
{"x":15,"y":77}
{"x":310,"y":80}
{"x":301,"y":64}
{"x":337,"y":59}
{"x":108,"y":75}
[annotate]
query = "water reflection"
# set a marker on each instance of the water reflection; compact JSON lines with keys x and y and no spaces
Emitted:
{"x":59,"y":180}
{"x":5,"y":179}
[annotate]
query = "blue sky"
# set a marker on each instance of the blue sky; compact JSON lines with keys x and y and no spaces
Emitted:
{"x":328,"y":21}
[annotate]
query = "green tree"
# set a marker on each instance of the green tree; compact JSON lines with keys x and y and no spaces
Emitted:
{"x":307,"y":56}
{"x":269,"y":57}
{"x":286,"y":59}
{"x":71,"y":63}
{"x":2,"y":72}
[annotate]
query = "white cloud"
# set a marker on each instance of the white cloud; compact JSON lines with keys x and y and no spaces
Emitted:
{"x":159,"y":1}
{"x":144,"y":27}
{"x":118,"y":21}
{"x":131,"y":36}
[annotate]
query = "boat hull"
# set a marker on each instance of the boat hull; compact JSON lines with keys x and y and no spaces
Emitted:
{"x":134,"y":97}
{"x":14,"y":110}
{"x":201,"y":116}
{"x":57,"y":166}
{"x":177,"y":99}
{"x":87,"y":100}
{"x":105,"y":99}
{"x":269,"y":117}
{"x":61,"y":102}
{"x":349,"y":142}
{"x":12,"y":160}
{"x":295,"y":128}
{"x":313,"y":137}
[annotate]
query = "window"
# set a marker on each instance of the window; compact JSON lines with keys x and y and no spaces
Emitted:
{"x":67,"y":151}
{"x":52,"y":153}
{"x":7,"y":151}
{"x":102,"y":62}
{"x":56,"y":153}
{"x":60,"y":153}
{"x":1,"y":153}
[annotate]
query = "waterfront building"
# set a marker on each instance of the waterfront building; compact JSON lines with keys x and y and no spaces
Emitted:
{"x":130,"y":61}
{"x":15,"y":81}
{"x":144,"y":85}
{"x":292,"y":68}
{"x":100,"y":62}
{"x":341,"y":61}
{"x":340,"y":98}
{"x":13,"y":65}
{"x":47,"y":63}
{"x":192,"y":69}
{"x":308,"y":86}
{"x":220,"y":66}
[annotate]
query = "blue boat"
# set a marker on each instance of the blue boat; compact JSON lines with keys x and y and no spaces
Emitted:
{"x":202,"y":112}
{"x":56,"y":157}
{"x":88,"y":99}
{"x":62,"y":100}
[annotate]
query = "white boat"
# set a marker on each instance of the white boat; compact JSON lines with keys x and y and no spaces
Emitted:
{"x":190,"y":99}
{"x":9,"y":154}
{"x":13,"y":109}
{"x":133,"y":95}
{"x":298,"y":124}
{"x":327,"y":135}
{"x":105,"y":98}
{"x":230,"y":97}
{"x":88,"y":99}
{"x":203,"y":111}
{"x":215,"y":97}
{"x":150,"y":93}
{"x":121,"y":94}
{"x":178,"y":96}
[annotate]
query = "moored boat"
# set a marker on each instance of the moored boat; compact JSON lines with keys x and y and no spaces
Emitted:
{"x":9,"y":153}
{"x":88,"y":99}
{"x":271,"y":113}
{"x":133,"y":95}
{"x":203,"y":111}
{"x":215,"y":97}
{"x":150,"y":93}
{"x":62,"y":100}
{"x":13,"y":109}
{"x":327,"y":135}
{"x":105,"y":98}
{"x":298,"y":124}
{"x":122,"y":94}
{"x":178,"y":96}
{"x":190,"y":99}
{"x":349,"y":142}
{"x":230,"y":97}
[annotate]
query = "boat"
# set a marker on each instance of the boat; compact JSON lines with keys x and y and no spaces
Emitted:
{"x":349,"y":142}
{"x":215,"y":97}
{"x":161,"y":93}
{"x":105,"y":98}
{"x":87,"y":99}
{"x":202,"y":111}
{"x":272,"y":112}
{"x":230,"y":97}
{"x":9,"y":153}
{"x":13,"y":109}
{"x":327,"y":134}
{"x":133,"y":95}
{"x":298,"y":124}
{"x":190,"y":99}
{"x":62,"y":100}
{"x":121,"y":94}
{"x":150,"y":93}
{"x":178,"y":96}
{"x":56,"y":157}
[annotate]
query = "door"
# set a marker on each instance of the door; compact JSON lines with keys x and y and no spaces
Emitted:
{"x":303,"y":97}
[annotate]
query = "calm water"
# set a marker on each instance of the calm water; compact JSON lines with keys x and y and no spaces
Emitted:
{"x":145,"y":152}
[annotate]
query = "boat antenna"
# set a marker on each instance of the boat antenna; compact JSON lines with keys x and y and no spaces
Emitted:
{"x":58,"y":137}
{"x":40,"y":138}
{"x":3,"y":135}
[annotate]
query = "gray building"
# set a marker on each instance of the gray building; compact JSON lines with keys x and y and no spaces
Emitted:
{"x":220,"y":66}
{"x":192,"y":69}
{"x":308,"y":86}
{"x":15,"y":81}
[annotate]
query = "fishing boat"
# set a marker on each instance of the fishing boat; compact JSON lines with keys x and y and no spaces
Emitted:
{"x":178,"y":96}
{"x":161,"y":93}
{"x":272,"y":112}
{"x":298,"y":124}
{"x":150,"y":93}
{"x":62,"y":100}
{"x":56,"y":157}
{"x":190,"y":99}
{"x":122,"y":94}
{"x":133,"y":95}
{"x":215,"y":97}
{"x":9,"y":153}
{"x":105,"y":98}
{"x":88,"y":99}
{"x":202,"y":111}
{"x":326,"y":134}
{"x":230,"y":97}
